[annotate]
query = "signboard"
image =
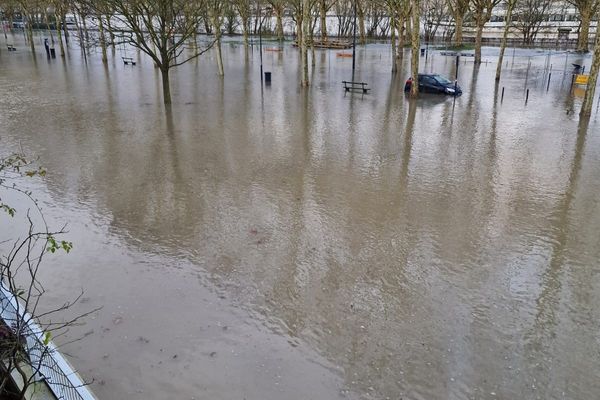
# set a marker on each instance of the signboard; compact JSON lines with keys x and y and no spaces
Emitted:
{"x":582,"y":79}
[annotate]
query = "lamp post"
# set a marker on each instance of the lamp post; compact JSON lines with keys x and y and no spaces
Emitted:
{"x":354,"y":44}
{"x":260,"y":42}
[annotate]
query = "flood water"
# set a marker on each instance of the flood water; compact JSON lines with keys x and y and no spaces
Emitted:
{"x":274,"y":242}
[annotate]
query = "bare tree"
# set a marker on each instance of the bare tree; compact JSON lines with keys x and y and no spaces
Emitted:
{"x":245,"y":12}
{"x":404,"y":22}
{"x":231,"y":22}
{"x":587,"y":10}
{"x":216,"y":9}
{"x":302,"y":15}
{"x":102,"y":11}
{"x":529,"y":15}
{"x":482,"y":10}
{"x":60,"y":11}
{"x":25,"y":330}
{"x":392,"y":9}
{"x":378,"y":19}
{"x":343,"y":12}
{"x":278,"y":7}
{"x":160,"y":28}
{"x":398,"y":12}
{"x":510,"y":5}
{"x":324,"y":7}
{"x":434,"y":12}
{"x":458,"y":9}
{"x":30,"y":9}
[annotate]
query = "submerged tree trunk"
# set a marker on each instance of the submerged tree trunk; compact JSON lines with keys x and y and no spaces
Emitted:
{"x":63,"y":18}
{"x":110,"y":31}
{"x":30,"y":33}
{"x":279,"y":23}
{"x":313,"y":59}
{"x":216,"y":22}
{"x":219,"y":56}
{"x":303,"y":31}
{"x":394,"y":47}
{"x":85,"y":29}
{"x":415,"y":44}
{"x":588,"y":100}
{"x":508,"y":19}
{"x":245,"y":28}
{"x":81,"y":39}
{"x":102,"y":40}
{"x":164,"y":70}
{"x":59,"y":22}
{"x":480,"y":22}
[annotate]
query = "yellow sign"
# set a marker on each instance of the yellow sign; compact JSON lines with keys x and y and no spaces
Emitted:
{"x":582,"y":79}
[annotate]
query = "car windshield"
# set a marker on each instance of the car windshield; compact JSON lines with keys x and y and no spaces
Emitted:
{"x":441,"y":80}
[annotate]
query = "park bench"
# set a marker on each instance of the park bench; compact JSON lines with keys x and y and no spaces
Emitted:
{"x":455,"y":53}
{"x":128,"y":60}
{"x":352,"y":86}
{"x":11,"y":47}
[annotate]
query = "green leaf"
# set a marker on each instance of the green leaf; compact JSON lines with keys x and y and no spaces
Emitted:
{"x":53,"y":245}
{"x":11,"y":211}
{"x":66,"y":246}
{"x":47,"y":338}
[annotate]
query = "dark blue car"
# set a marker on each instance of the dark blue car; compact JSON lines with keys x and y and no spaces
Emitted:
{"x":434,"y":83}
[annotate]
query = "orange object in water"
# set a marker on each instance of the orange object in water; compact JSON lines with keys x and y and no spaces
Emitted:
{"x":344,"y":55}
{"x":273,"y":49}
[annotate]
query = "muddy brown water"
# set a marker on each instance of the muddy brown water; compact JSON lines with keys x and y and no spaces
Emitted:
{"x":305,"y":244}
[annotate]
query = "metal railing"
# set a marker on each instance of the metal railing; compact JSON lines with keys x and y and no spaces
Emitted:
{"x":45,"y":359}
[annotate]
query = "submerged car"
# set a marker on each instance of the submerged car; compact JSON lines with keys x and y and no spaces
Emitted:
{"x":434,"y":83}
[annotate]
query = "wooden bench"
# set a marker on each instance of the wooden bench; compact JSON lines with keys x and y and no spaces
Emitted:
{"x":352,"y":86}
{"x":128,"y":60}
{"x":11,"y":47}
